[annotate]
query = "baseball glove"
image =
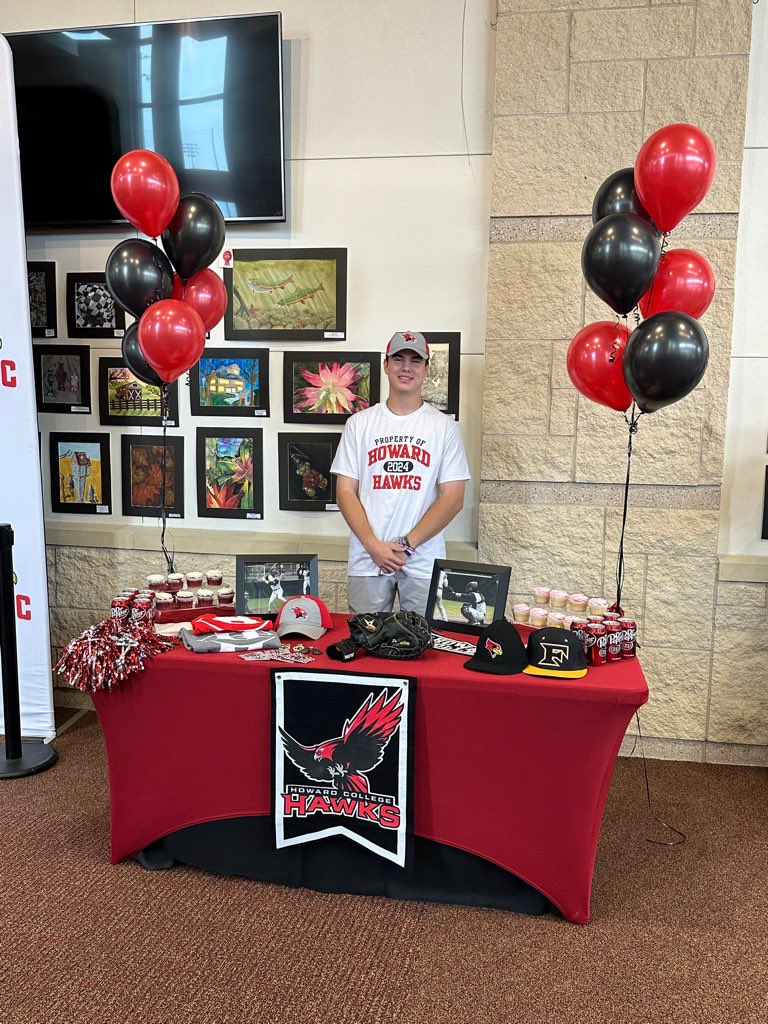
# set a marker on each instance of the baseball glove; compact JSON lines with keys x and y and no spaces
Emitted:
{"x":391,"y":634}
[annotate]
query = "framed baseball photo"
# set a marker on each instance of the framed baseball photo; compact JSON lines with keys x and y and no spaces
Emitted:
{"x":263,"y":583}
{"x":81,"y":480}
{"x":62,"y":378}
{"x":91,"y":310}
{"x":230,"y":473}
{"x":227,"y":382}
{"x":465,"y":597}
{"x":145,"y":461}
{"x":306,"y":481}
{"x":286,"y":295}
{"x":41,"y":282}
{"x":441,"y":387}
{"x":328,"y":387}
{"x":126,"y":401}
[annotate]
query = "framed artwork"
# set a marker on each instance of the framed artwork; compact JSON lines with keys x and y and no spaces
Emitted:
{"x":142,"y":475}
{"x":62,"y":378}
{"x":442,"y":385}
{"x":327,"y":387}
{"x":227,"y":383}
{"x":764,"y":531}
{"x":91,"y":310}
{"x":41,"y":282}
{"x":125,"y":401}
{"x":81,"y":481}
{"x":286,"y":295}
{"x":306,"y":481}
{"x":229,"y":473}
{"x":263,"y":583}
{"x":465,"y":597}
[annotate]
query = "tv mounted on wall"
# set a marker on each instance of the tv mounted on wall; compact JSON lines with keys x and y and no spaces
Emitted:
{"x":206,"y":94}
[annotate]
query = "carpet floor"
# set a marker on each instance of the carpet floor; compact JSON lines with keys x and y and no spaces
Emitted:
{"x":678,"y":935}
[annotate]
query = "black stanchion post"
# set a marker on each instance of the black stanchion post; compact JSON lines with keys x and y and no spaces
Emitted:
{"x":22,"y":757}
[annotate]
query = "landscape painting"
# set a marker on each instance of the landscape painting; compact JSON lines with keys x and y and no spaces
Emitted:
{"x":225,"y":383}
{"x":328,"y":388}
{"x":80,"y":473}
{"x":286,"y":294}
{"x":124,"y":400}
{"x":229,"y":474}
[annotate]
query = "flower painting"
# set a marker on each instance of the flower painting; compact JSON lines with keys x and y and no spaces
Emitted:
{"x":329,"y":388}
{"x":143,"y":460}
{"x":229,"y":474}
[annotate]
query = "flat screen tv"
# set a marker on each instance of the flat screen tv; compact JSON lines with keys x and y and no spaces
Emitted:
{"x":206,"y":94}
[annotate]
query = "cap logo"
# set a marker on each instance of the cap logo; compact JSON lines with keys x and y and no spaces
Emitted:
{"x":554,"y":655}
{"x":299,"y":612}
{"x":408,"y":336}
{"x":493,"y":648}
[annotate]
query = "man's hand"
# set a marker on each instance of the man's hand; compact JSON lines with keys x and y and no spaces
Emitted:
{"x":387,"y":555}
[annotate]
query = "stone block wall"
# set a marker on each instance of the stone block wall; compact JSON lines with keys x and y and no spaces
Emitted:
{"x":579,"y":85}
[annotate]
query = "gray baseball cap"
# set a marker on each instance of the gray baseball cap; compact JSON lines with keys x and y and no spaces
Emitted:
{"x":410,"y":341}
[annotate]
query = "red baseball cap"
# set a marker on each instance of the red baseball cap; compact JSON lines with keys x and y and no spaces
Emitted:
{"x":410,"y":341}
{"x":303,"y":616}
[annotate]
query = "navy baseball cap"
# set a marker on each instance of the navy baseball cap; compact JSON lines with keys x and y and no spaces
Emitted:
{"x":555,"y":652}
{"x":410,"y":341}
{"x":500,"y":650}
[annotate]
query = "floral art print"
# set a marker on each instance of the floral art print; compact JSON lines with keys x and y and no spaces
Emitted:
{"x":330,"y":389}
{"x":229,"y":474}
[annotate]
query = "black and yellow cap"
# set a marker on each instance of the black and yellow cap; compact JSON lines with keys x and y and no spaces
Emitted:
{"x":555,"y":652}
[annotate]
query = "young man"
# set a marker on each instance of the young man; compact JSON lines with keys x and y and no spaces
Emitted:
{"x":401,"y":470}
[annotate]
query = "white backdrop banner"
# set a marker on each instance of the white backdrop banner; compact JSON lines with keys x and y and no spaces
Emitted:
{"x":21,"y":498}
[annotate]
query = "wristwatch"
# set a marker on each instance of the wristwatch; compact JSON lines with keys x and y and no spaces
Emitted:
{"x":409,"y":551}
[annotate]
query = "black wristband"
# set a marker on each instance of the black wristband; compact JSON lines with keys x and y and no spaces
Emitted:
{"x":344,"y":650}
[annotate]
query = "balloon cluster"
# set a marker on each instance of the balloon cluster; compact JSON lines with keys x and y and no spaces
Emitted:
{"x":173,"y":310}
{"x":625,"y":262}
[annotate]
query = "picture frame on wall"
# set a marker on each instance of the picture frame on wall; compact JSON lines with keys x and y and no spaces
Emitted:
{"x":230,"y":382}
{"x":81,"y":478}
{"x":62,"y":378}
{"x":286,"y":295}
{"x":442,"y":386}
{"x":305,"y":480}
{"x":41,"y":283}
{"x":230,"y":473}
{"x":328,"y":387}
{"x":263,"y":583}
{"x":141,"y":466}
{"x":126,"y":401}
{"x":465,"y":597}
{"x":91,"y":310}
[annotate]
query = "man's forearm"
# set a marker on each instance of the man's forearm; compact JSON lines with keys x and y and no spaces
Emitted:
{"x":439,"y":514}
{"x":355,"y":518}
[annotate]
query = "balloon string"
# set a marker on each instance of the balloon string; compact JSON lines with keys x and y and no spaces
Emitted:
{"x":632,"y":423}
{"x":670,"y":828}
{"x":664,"y":244}
{"x":163,"y":510}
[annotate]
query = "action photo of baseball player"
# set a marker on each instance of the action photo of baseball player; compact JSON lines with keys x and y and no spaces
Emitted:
{"x":469,"y":600}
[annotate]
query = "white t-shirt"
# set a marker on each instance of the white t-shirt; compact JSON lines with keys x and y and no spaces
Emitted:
{"x":398,"y":462}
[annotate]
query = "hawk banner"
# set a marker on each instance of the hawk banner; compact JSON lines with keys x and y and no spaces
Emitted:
{"x":343,"y":759}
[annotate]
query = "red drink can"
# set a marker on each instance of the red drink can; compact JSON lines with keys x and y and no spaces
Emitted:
{"x":615,"y":639}
{"x":120,"y":611}
{"x":614,"y":616}
{"x":133,"y":591}
{"x":594,"y":618}
{"x":597,"y":643}
{"x":579,"y":626}
{"x":142,"y":610}
{"x":629,"y":638}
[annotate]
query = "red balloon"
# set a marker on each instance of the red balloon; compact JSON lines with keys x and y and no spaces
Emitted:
{"x":595,"y":359}
{"x":146,"y":190}
{"x":673,"y":172}
{"x":685,"y":281}
{"x":171,"y":337}
{"x":206,"y":293}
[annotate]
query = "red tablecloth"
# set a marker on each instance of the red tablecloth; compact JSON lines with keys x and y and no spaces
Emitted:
{"x":514,"y":769}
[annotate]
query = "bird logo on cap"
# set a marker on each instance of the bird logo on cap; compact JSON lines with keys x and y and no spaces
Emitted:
{"x":493,"y":648}
{"x":299,"y":612}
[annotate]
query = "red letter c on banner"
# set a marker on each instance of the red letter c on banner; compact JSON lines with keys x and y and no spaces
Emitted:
{"x":8,"y":373}
{"x":23,"y":607}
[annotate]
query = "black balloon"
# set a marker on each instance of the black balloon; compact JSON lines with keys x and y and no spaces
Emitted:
{"x":665,"y":358}
{"x":138,"y":274}
{"x":617,"y":194}
{"x":620,"y":258}
{"x":134,"y":358}
{"x":195,"y":235}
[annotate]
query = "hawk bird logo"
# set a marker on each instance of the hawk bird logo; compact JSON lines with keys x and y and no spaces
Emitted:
{"x":493,"y":648}
{"x":360,"y":748}
{"x":299,"y":612}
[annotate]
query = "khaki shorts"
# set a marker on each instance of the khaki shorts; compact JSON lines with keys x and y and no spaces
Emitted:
{"x":377,"y":593}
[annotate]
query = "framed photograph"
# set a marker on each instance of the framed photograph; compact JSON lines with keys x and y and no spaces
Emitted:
{"x":229,"y":473}
{"x":41,"y":282}
{"x":263,"y":583}
{"x":442,"y":385}
{"x":142,"y":475}
{"x":227,"y":383}
{"x":465,"y":597}
{"x":81,"y":481}
{"x":62,"y":378}
{"x":286,"y":295}
{"x":125,"y":401}
{"x":327,"y":387}
{"x":306,"y":481}
{"x":91,"y":310}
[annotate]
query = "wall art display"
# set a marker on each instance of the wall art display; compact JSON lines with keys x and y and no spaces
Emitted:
{"x":81,"y":480}
{"x":306,"y":481}
{"x":230,"y":383}
{"x":286,"y":295}
{"x":41,"y":282}
{"x":442,"y":386}
{"x":328,"y":387}
{"x":465,"y":597}
{"x":62,"y":378}
{"x":125,"y":401}
{"x":263,"y":583}
{"x":142,"y":475}
{"x":764,"y":531}
{"x":91,"y":310}
{"x":230,"y":473}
